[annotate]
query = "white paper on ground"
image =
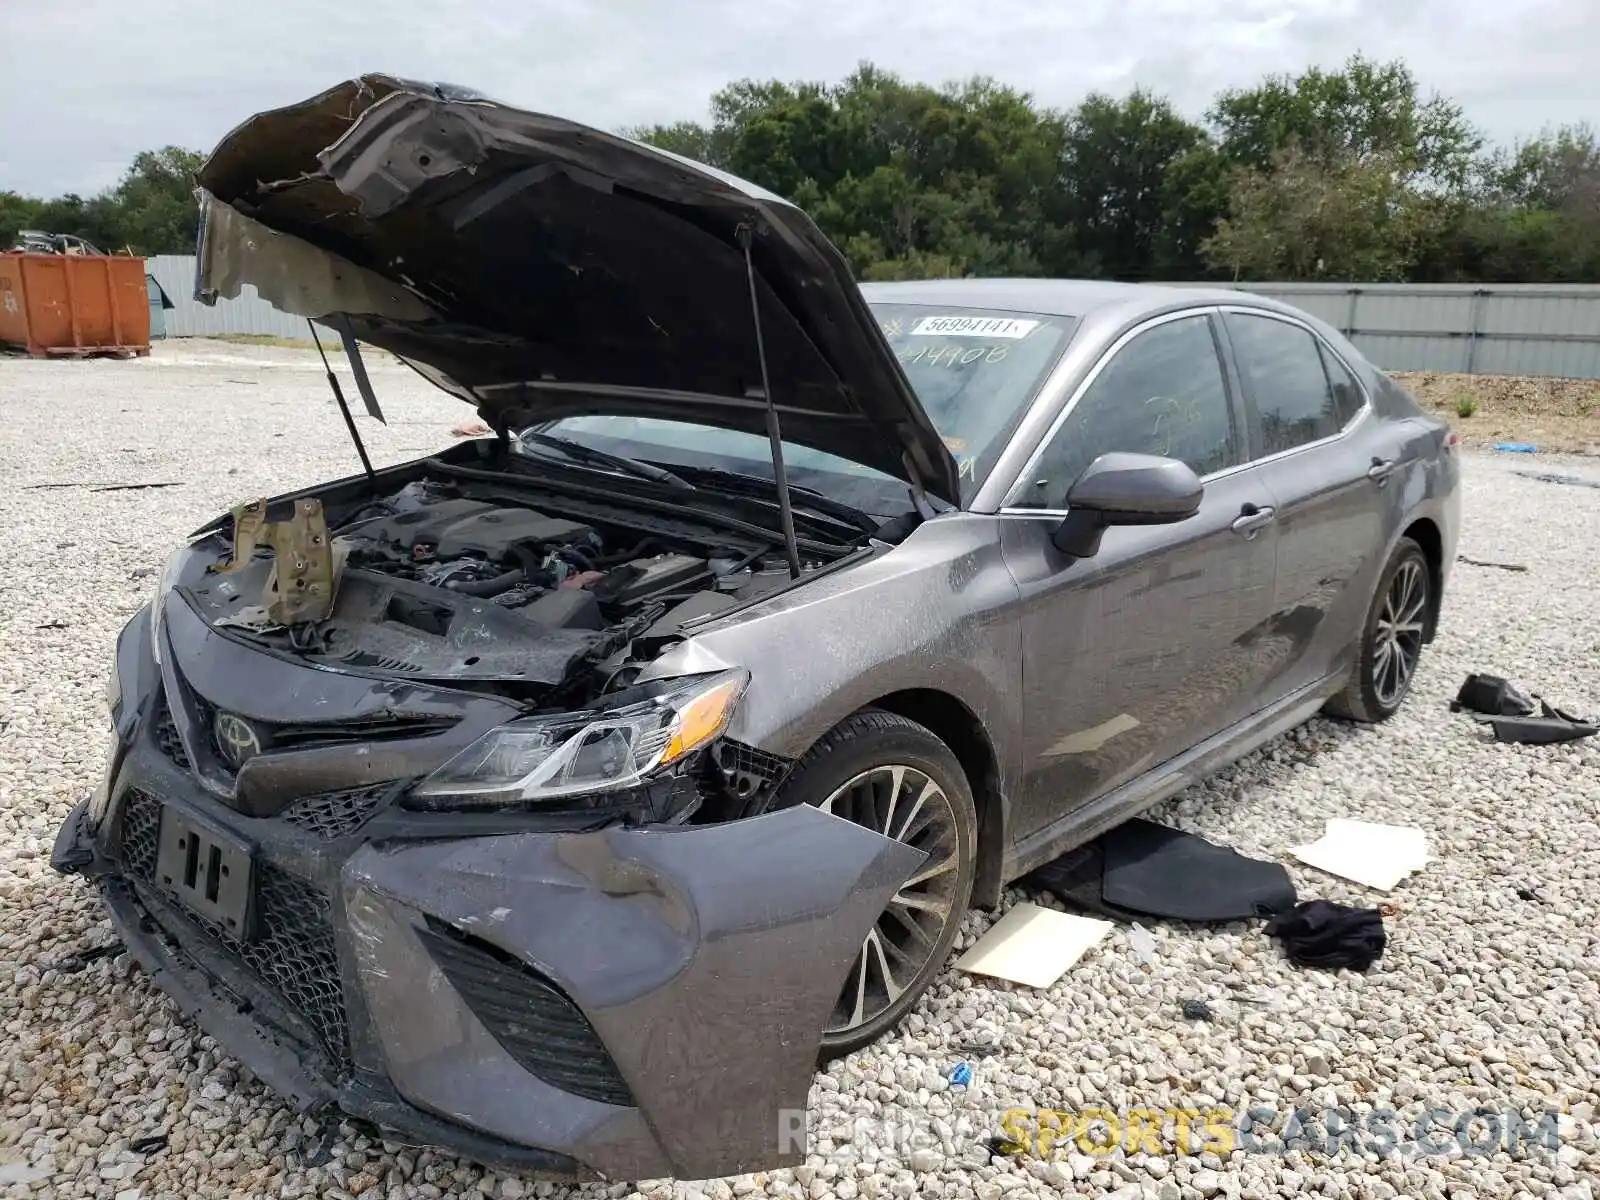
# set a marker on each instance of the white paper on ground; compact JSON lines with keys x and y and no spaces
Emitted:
{"x":1373,"y":855}
{"x":1405,"y":842}
{"x":1032,"y":946}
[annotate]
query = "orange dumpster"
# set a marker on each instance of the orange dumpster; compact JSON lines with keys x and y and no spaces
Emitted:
{"x":74,"y":304}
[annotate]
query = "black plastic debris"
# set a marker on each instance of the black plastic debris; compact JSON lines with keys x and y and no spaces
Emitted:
{"x":1552,"y":727}
{"x":73,"y":963}
{"x":149,"y":1143}
{"x":999,"y":1147}
{"x":1197,"y":1010}
{"x":1166,"y":872}
{"x":1319,"y":933}
{"x":1553,"y":477}
{"x":103,"y":487}
{"x":1484,"y":562}
{"x":1141,"y":870}
{"x":314,"y":1149}
{"x":1509,"y":710}
{"x":1531,"y":895}
{"x":1492,"y":695}
{"x":977,"y":1049}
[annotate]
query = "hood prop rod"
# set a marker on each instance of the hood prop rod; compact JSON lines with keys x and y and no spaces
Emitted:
{"x":780,"y":476}
{"x":338,"y":394}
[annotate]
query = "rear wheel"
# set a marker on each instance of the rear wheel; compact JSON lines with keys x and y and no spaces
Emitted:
{"x":893,"y":776}
{"x":1391,"y":640}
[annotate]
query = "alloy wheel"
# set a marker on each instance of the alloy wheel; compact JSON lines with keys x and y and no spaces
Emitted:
{"x":905,"y":804}
{"x":1397,"y":640}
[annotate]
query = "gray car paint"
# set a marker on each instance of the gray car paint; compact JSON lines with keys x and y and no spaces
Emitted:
{"x":706,"y":958}
{"x":1058,"y":651}
{"x":731,"y":940}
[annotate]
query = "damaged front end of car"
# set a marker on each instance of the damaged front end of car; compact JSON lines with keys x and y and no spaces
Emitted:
{"x":401,"y":807}
{"x":441,"y":862}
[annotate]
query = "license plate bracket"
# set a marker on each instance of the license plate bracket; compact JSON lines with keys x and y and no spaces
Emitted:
{"x":207,"y":870}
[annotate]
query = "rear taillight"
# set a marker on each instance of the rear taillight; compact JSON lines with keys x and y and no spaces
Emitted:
{"x":1452,"y":440}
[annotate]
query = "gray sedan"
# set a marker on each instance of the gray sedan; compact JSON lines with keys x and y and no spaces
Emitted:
{"x":562,"y":797}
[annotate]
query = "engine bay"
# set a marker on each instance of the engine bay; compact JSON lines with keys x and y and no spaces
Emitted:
{"x":436,"y":584}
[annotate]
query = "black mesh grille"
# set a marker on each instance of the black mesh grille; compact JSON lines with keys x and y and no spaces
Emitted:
{"x":293,"y":953}
{"x":334,"y":814}
{"x":167,"y":739}
{"x":546,"y":1033}
{"x":141,"y":829}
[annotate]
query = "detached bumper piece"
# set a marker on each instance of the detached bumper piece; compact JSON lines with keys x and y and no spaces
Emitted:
{"x":625,"y":1002}
{"x":1509,"y":710}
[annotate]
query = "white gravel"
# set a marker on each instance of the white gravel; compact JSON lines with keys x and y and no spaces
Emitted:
{"x":1481,"y":999}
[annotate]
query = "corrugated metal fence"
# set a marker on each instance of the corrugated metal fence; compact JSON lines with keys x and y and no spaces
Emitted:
{"x":1509,"y":329}
{"x":248,"y":314}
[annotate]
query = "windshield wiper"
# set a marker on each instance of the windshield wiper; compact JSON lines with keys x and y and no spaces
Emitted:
{"x":741,"y":484}
{"x":578,"y":452}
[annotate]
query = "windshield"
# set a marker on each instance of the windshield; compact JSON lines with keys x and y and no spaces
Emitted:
{"x":974,"y":370}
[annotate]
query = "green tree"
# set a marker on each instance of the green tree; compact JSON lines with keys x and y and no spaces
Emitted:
{"x":688,"y":138}
{"x":905,"y":178}
{"x":152,"y":210}
{"x":1137,"y":191}
{"x":1306,"y":218}
{"x":155,"y":200}
{"x":1350,"y":174}
{"x":1534,"y":215}
{"x":1365,"y":112}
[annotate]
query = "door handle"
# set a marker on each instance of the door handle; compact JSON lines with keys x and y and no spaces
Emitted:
{"x":1380,"y":469}
{"x":1252,"y":519}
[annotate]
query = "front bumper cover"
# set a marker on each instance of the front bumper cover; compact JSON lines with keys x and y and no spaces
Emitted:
{"x":697,"y":965}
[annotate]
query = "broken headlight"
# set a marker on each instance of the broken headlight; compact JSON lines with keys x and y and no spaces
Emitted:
{"x":577,"y":754}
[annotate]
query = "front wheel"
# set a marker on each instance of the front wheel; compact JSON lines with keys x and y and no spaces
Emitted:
{"x":1391,"y":640}
{"x":893,"y":776}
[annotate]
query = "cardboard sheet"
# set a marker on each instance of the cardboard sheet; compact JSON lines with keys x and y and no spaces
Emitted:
{"x":1373,"y":855}
{"x":1032,"y":946}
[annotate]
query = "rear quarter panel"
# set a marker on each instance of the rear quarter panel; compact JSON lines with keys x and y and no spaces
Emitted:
{"x":1427,"y":486}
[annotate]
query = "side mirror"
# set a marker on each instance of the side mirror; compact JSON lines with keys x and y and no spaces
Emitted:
{"x":1126,"y":489}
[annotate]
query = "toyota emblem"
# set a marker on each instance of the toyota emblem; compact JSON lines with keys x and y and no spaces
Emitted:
{"x":235,"y":739}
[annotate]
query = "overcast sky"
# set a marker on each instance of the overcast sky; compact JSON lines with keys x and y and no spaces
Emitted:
{"x":86,"y":84}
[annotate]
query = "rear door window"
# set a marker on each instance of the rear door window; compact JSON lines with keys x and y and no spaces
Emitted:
{"x":1282,"y":366}
{"x":1348,"y":398}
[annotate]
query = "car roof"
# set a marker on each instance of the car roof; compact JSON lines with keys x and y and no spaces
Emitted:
{"x":1054,"y":297}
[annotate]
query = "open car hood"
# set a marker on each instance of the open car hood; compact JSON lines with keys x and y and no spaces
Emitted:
{"x":539,"y":268}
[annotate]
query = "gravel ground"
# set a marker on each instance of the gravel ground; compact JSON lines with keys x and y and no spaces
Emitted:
{"x":1483,"y":997}
{"x":1557,"y":415}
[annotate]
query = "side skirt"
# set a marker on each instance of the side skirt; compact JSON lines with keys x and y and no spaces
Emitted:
{"x":1089,"y":821}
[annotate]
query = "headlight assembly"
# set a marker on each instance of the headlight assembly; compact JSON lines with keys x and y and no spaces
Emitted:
{"x":558,"y":758}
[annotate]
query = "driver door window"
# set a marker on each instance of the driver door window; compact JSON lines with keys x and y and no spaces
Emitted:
{"x":1162,"y":393}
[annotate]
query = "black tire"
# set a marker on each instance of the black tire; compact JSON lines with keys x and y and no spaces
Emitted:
{"x":858,"y":749}
{"x":1371,"y":693}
